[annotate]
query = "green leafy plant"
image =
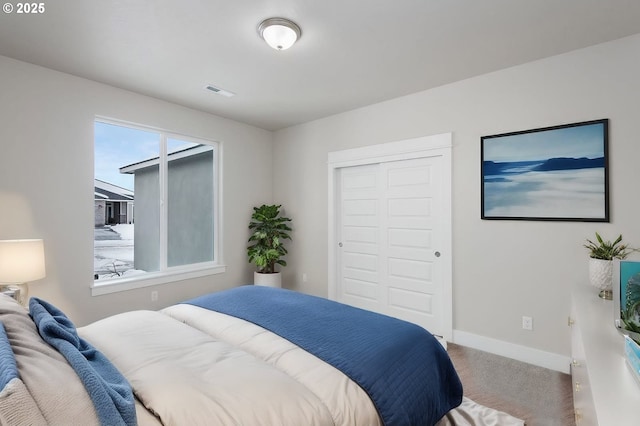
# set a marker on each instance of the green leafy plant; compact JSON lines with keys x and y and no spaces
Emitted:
{"x":607,"y":250}
{"x":269,"y":230}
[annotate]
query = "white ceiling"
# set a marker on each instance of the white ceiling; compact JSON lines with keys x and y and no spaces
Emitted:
{"x":352,"y":52}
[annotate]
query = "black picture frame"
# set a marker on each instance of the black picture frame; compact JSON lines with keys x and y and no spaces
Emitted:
{"x":558,"y":173}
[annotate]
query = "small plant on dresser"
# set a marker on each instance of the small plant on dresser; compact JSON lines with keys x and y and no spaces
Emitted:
{"x":601,"y":254}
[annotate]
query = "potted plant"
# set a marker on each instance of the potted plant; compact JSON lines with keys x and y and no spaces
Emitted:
{"x":601,"y":254}
{"x":268,"y":232}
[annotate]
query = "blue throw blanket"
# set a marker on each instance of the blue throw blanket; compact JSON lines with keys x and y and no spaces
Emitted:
{"x":405,"y":371}
{"x":109,"y":390}
{"x":8,"y":366}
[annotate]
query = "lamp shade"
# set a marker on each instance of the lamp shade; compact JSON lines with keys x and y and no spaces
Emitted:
{"x":279,"y":33}
{"x":21,"y":261}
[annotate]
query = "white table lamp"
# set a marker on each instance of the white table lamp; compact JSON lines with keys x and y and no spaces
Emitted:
{"x":21,"y":261}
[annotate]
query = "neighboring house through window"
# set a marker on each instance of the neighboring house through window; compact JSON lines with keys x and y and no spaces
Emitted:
{"x":156,"y":201}
{"x":113,"y":204}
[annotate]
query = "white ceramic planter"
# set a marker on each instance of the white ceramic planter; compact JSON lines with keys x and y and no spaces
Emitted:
{"x":601,"y":276}
{"x":268,"y":280}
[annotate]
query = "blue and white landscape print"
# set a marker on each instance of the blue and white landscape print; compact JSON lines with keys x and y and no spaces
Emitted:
{"x":558,"y":173}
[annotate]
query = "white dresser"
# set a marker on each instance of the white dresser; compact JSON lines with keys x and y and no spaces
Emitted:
{"x":604,"y":391}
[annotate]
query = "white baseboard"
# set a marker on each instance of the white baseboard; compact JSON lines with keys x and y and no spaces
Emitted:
{"x":537,"y":357}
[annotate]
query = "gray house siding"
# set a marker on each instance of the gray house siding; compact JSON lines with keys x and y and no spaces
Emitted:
{"x":189,"y":212}
{"x":146,"y":233}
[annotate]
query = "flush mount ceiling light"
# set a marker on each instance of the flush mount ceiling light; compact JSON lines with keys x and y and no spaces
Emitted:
{"x":279,"y":33}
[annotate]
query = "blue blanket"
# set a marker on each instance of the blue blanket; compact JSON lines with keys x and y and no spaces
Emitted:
{"x":402,"y":367}
{"x":109,"y":390}
{"x":8,"y":366}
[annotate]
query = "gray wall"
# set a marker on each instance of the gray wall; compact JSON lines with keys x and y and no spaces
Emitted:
{"x":47,"y":120}
{"x":502,"y":270}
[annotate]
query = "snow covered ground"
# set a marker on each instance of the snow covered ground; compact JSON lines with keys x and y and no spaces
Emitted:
{"x":113,"y":251}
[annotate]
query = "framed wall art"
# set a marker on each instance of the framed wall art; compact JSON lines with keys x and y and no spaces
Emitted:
{"x":555,"y":173}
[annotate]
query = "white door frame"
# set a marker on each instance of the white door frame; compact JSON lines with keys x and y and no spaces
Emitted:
{"x":428,"y":146}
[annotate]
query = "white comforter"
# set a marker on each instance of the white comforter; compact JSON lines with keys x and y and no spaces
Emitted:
{"x":191,"y":366}
{"x":222,"y":370}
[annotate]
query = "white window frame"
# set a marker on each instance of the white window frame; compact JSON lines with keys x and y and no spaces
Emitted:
{"x":175,"y":273}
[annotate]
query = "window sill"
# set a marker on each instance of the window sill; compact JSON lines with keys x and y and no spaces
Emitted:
{"x":153,"y":278}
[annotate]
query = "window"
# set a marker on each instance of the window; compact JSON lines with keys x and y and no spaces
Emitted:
{"x":156,"y":199}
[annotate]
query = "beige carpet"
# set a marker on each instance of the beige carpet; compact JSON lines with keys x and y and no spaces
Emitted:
{"x":539,"y":396}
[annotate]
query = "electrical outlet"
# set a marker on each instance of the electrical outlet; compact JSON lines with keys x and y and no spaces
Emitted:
{"x":154,"y":296}
{"x":527,"y":323}
{"x":304,"y":277}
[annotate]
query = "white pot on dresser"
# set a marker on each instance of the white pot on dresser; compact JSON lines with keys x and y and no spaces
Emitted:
{"x":601,"y":276}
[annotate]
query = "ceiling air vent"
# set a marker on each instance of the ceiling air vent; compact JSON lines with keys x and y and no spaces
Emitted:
{"x":219,"y":91}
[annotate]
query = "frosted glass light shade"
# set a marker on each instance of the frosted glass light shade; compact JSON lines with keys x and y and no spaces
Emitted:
{"x":279,"y":33}
{"x":21,"y":261}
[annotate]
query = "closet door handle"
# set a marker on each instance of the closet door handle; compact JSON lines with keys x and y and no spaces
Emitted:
{"x":436,"y":254}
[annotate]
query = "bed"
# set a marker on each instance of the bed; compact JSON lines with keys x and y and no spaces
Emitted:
{"x":246,"y":356}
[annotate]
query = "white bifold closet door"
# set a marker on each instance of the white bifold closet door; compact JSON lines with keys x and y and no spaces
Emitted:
{"x":389,"y":231}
